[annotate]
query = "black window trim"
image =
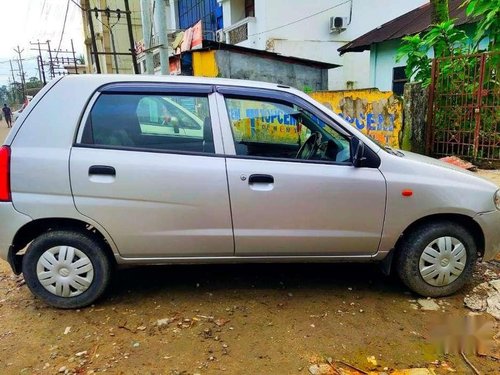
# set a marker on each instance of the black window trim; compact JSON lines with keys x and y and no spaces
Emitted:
{"x":158,"y":88}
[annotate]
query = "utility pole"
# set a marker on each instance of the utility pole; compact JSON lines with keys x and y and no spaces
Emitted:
{"x":54,"y":63}
{"x":14,"y":89}
{"x":41,"y":70}
{"x":74,"y":56}
{"x":95,"y":52}
{"x":118,"y":13}
{"x":12,"y":71}
{"x":20,"y":65}
{"x":161,"y":28}
{"x":113,"y":45}
{"x":131,"y":37}
{"x":146,"y":34}
{"x":51,"y":61}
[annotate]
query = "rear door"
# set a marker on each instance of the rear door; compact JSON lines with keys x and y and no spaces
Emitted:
{"x":146,"y":165}
{"x":286,"y":200}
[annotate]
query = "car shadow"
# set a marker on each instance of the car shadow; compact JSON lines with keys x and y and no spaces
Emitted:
{"x":181,"y":279}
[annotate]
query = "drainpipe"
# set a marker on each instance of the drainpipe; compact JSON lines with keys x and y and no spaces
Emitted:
{"x":161,"y":28}
{"x":146,"y":34}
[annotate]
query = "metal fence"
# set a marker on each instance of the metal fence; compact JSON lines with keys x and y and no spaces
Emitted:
{"x":464,"y":107}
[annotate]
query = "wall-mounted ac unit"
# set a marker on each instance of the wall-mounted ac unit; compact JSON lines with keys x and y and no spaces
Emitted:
{"x":220,"y":36}
{"x":338,"y":24}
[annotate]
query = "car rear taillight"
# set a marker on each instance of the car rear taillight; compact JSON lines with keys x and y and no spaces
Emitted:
{"x":5,"y":174}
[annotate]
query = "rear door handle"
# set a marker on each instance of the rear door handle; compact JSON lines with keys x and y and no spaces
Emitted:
{"x":260,"y":179}
{"x":102,"y":170}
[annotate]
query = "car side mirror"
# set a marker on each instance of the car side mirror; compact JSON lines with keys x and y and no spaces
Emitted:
{"x":359,"y":153}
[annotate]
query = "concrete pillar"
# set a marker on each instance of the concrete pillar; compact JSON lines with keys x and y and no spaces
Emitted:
{"x":146,"y":34}
{"x":161,"y":27}
{"x":416,"y":99}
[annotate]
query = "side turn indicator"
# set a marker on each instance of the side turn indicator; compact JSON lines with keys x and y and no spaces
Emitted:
{"x":407,"y":193}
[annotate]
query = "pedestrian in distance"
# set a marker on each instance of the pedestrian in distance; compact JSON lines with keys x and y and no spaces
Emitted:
{"x":7,"y":113}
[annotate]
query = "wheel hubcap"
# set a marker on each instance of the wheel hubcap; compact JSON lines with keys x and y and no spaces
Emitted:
{"x":65,"y":271}
{"x":442,"y":261}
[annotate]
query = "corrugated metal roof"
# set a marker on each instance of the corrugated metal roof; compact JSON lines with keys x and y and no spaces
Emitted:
{"x":413,"y":22}
{"x":211,"y":45}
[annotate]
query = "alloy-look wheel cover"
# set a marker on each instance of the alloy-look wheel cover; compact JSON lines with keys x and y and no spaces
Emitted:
{"x":442,"y":261}
{"x":65,"y":271}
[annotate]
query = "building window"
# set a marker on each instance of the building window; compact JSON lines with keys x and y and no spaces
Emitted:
{"x":398,"y":80}
{"x":249,"y":8}
{"x":208,"y":11}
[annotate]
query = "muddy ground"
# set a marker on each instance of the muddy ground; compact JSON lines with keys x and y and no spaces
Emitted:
{"x":234,"y":319}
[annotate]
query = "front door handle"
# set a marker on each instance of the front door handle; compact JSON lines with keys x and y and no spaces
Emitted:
{"x":261,"y":179}
{"x":102,"y":170}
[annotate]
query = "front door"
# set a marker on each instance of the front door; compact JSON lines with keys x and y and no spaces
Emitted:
{"x":293,"y":189}
{"x":145,"y":168}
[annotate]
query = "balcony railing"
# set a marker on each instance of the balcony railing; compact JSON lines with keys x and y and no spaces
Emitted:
{"x":240,"y":31}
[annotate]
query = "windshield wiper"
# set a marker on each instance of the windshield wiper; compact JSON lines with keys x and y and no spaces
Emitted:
{"x":393,"y":152}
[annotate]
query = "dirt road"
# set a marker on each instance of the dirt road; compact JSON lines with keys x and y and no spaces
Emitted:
{"x":232,"y":319}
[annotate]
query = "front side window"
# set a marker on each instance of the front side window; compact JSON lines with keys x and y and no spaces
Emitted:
{"x":168,"y":122}
{"x":270,"y":129}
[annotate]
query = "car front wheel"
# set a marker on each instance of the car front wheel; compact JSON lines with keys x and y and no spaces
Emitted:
{"x":437,"y":259}
{"x":66,"y":269}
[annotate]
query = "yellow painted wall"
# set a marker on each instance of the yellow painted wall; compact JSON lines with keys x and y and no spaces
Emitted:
{"x":204,"y":64}
{"x":378,"y":114}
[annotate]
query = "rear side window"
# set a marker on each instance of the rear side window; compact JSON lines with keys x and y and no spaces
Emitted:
{"x":150,"y":121}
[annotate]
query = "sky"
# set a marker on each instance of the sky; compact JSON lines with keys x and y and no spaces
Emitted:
{"x":23,"y":21}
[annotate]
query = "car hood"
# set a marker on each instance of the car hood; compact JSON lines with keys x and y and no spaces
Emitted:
{"x":418,"y":170}
{"x":435,"y":162}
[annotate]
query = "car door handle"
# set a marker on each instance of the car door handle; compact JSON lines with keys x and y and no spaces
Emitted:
{"x":102,"y":170}
{"x":260,"y":179}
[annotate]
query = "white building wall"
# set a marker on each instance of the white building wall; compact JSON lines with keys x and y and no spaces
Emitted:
{"x":301,"y":28}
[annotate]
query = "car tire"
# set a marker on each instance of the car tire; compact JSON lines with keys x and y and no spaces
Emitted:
{"x":436,"y":259}
{"x":67,"y":269}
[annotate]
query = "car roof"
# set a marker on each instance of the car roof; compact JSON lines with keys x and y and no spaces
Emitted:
{"x":102,"y":79}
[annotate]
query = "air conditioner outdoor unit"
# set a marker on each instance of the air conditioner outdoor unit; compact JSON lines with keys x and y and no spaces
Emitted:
{"x":338,"y":24}
{"x":220,"y":36}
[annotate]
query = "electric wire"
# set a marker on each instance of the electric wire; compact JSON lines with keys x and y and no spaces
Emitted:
{"x":63,"y":28}
{"x":301,"y":19}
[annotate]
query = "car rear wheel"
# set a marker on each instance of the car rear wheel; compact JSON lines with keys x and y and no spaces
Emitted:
{"x":66,"y":269}
{"x":437,"y":259}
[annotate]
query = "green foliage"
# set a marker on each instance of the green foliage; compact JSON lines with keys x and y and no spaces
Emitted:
{"x":34,"y":83}
{"x":307,"y":89}
{"x":418,"y":66}
{"x":487,"y":13}
{"x":444,"y":39}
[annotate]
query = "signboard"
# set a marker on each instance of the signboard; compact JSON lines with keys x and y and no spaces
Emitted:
{"x":197,"y":41}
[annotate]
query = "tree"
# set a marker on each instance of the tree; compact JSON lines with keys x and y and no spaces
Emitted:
{"x":439,"y":11}
{"x":4,"y":94}
{"x":444,"y":39}
{"x":488,"y":15}
{"x":34,"y":83}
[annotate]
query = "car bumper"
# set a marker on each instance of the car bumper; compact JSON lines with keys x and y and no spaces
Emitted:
{"x":10,"y":222}
{"x":490,"y":224}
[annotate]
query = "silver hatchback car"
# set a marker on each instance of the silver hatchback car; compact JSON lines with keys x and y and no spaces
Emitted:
{"x":101,"y":171}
